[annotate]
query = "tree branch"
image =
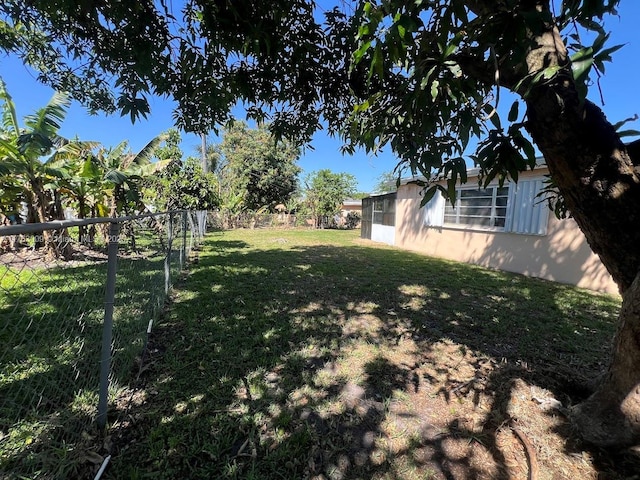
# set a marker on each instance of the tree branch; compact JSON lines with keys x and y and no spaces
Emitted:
{"x":487,"y":7}
{"x":482,"y":7}
{"x":484,"y":71}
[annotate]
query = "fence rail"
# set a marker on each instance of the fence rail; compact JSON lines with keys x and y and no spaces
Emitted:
{"x":225,"y":220}
{"x":77,"y":302}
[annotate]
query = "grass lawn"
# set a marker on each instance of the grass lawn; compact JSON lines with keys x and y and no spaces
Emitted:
{"x":51,"y":316}
{"x":314,"y":354}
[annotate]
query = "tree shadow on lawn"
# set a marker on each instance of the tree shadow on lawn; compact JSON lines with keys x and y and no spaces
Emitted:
{"x":360,"y":362}
{"x":50,"y":342}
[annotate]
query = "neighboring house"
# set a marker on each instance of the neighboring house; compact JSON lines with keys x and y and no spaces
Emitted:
{"x":506,"y":228}
{"x":351,"y":205}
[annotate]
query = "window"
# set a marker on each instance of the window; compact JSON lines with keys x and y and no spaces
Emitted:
{"x":479,"y":208}
{"x":513,"y":208}
{"x":384,"y":210}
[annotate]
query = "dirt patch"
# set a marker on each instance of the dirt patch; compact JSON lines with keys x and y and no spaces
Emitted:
{"x":444,"y":414}
{"x":38,"y":258}
{"x":81,"y":254}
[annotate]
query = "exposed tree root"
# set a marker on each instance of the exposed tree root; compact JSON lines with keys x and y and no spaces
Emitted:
{"x":530,"y":451}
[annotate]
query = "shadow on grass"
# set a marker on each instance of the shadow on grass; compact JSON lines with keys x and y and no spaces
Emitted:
{"x":50,"y":342}
{"x":281,"y":360}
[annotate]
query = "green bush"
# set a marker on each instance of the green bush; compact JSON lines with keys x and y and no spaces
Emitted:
{"x":353,"y":220}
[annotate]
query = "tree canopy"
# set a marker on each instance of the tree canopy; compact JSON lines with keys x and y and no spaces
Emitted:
{"x":48,"y":172}
{"x":387,"y":182}
{"x":325,"y":191}
{"x":423,"y":77}
{"x":181,"y":184}
{"x":257,"y":167}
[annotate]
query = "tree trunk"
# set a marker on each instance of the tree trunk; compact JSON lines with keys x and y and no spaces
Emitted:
{"x":611,"y":416}
{"x":132,"y":237}
{"x":82,"y":229}
{"x":57,"y":244}
{"x":596,"y":177}
{"x":92,"y":229}
{"x":38,"y":204}
{"x":57,"y":206}
{"x":114,"y":201}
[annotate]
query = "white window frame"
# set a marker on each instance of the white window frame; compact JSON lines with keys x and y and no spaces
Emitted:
{"x":388,"y":208}
{"x":525,"y":213}
{"x":379,"y":212}
{"x":459,"y":214}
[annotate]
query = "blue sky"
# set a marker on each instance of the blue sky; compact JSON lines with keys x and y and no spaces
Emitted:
{"x":619,"y":87}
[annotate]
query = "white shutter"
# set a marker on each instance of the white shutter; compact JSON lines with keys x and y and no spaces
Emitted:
{"x":526,"y":213}
{"x":434,"y":211}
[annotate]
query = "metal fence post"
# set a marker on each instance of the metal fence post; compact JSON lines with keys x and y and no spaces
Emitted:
{"x":193,"y":239}
{"x":201,"y":215}
{"x":107,"y":328}
{"x":167,"y":259}
{"x":183,"y":260}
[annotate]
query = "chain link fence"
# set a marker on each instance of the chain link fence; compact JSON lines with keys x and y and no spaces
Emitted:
{"x":77,"y":302}
{"x":227,"y":221}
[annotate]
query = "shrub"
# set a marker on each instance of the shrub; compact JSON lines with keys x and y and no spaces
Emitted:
{"x":353,"y":220}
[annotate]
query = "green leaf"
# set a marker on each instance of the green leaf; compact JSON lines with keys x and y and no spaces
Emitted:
{"x":358,"y":54}
{"x":513,"y":112}
{"x":9,"y":147}
{"x":617,"y":125}
{"x":606,"y":53}
{"x":525,"y":145}
{"x":89,"y":169}
{"x":454,"y":68}
{"x":377,"y":63}
{"x":451,"y":48}
{"x":493,"y":116}
{"x":428,"y":195}
{"x":586,"y":52}
{"x":9,"y":117}
{"x":425,"y":79}
{"x":451,"y":189}
{"x":116,"y":177}
{"x":364,"y":30}
{"x":401,"y":31}
{"x":361,"y":107}
{"x":549,"y":72}
{"x":581,"y":69}
{"x":599,"y":41}
{"x":434,"y":90}
{"x":629,"y":133}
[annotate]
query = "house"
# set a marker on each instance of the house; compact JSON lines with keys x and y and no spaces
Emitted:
{"x":506,"y":228}
{"x":351,"y":205}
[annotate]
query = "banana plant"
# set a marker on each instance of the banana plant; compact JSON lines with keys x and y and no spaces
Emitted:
{"x":22,"y":150}
{"x":82,"y":181}
{"x":123,"y":172}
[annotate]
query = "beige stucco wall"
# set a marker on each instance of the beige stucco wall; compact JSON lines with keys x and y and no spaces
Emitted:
{"x":345,"y":209}
{"x":562,"y":255}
